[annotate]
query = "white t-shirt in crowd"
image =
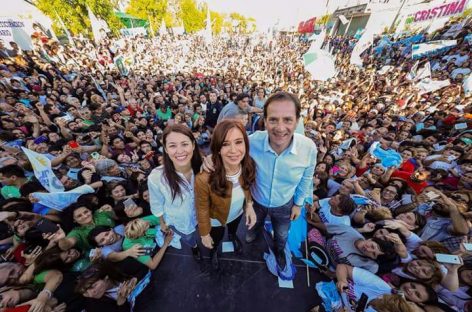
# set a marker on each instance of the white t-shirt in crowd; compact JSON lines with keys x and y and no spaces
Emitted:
{"x":327,"y":217}
{"x":368,"y":283}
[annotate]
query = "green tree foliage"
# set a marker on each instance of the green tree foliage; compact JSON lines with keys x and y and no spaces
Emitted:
{"x":152,"y":10}
{"x":192,"y":17}
{"x":217,"y":20}
{"x":75,"y":16}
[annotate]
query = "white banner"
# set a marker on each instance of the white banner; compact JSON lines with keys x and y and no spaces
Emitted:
{"x":43,"y":172}
{"x":432,"y":47}
{"x":15,"y":30}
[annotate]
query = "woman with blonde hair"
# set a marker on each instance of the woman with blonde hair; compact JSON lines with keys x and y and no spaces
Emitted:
{"x":223,"y":195}
{"x":137,"y":231}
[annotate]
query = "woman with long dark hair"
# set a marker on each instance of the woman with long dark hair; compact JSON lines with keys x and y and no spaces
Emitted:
{"x":171,"y":186}
{"x":223,"y":195}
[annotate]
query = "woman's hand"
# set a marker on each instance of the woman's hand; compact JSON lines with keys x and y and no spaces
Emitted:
{"x":135,"y":251}
{"x":125,"y":290}
{"x":342,"y":286}
{"x":10,"y":298}
{"x":168,"y":238}
{"x":106,"y":208}
{"x":207,"y":241}
{"x":31,"y":257}
{"x":251,"y":217}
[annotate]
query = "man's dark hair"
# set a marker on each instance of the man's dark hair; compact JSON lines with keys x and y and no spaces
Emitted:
{"x":13,"y":170}
{"x":94,"y":232}
{"x":283,"y":96}
{"x":347,"y":204}
{"x":241,"y":97}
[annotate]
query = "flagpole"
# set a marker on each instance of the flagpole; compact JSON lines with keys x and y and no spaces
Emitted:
{"x":69,"y":37}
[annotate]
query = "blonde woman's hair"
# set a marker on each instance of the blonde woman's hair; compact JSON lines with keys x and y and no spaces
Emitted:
{"x":136,"y":228}
{"x":391,"y":303}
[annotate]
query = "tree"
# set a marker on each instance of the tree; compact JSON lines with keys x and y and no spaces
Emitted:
{"x":217,"y":20}
{"x":152,"y":10}
{"x":192,"y":17}
{"x":75,"y":15}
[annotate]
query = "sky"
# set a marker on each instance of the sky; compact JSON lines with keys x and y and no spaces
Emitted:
{"x":287,"y":12}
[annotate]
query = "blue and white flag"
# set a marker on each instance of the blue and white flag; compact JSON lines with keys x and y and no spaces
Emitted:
{"x":431,"y":48}
{"x":43,"y":171}
{"x":467,"y":85}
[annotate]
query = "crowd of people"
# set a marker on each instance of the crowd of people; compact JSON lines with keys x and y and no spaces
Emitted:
{"x":154,"y":142}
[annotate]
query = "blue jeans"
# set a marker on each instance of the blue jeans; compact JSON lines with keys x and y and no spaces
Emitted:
{"x":280,"y":218}
{"x":189,"y":239}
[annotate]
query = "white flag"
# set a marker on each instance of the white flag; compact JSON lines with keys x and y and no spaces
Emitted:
{"x":162,"y":29}
{"x":317,"y":40}
{"x":467,"y":85}
{"x":343,"y":19}
{"x":43,"y":172}
{"x":208,"y":34}
{"x":424,"y":72}
{"x":320,"y":64}
{"x":363,"y":44}
{"x":412,"y":74}
{"x":429,"y":85}
{"x":99,"y":27}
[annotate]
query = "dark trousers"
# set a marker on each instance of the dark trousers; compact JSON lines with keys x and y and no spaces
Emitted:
{"x":280,"y":218}
{"x":218,"y":232}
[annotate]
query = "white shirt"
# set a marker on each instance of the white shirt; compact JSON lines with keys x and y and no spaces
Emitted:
{"x":179,"y":212}
{"x":328,"y":218}
{"x":237,"y":200}
{"x":368,"y":283}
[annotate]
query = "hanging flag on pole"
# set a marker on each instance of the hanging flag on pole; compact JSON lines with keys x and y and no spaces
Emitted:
{"x":320,"y":64}
{"x":43,"y":172}
{"x":317,"y":40}
{"x":424,"y":72}
{"x":69,"y":37}
{"x":467,"y":85}
{"x":412,"y":74}
{"x":99,"y":27}
{"x":208,"y":36}
{"x":363,"y":44}
{"x":162,"y":29}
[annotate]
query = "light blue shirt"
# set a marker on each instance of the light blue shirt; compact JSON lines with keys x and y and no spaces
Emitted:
{"x":179,"y":212}
{"x":281,"y":177}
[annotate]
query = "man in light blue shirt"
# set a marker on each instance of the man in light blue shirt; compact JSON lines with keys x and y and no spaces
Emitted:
{"x":285,"y":164}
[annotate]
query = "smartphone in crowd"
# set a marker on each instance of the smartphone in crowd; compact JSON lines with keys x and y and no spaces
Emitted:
{"x":467,"y":246}
{"x":95,"y":155}
{"x":432,"y":195}
{"x":449,"y":259}
{"x":129,"y":202}
{"x":148,"y":250}
{"x":47,"y":227}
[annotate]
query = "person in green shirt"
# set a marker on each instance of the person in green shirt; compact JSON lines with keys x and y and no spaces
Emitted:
{"x":86,"y":221}
{"x":138,"y":231}
{"x":164,"y":113}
